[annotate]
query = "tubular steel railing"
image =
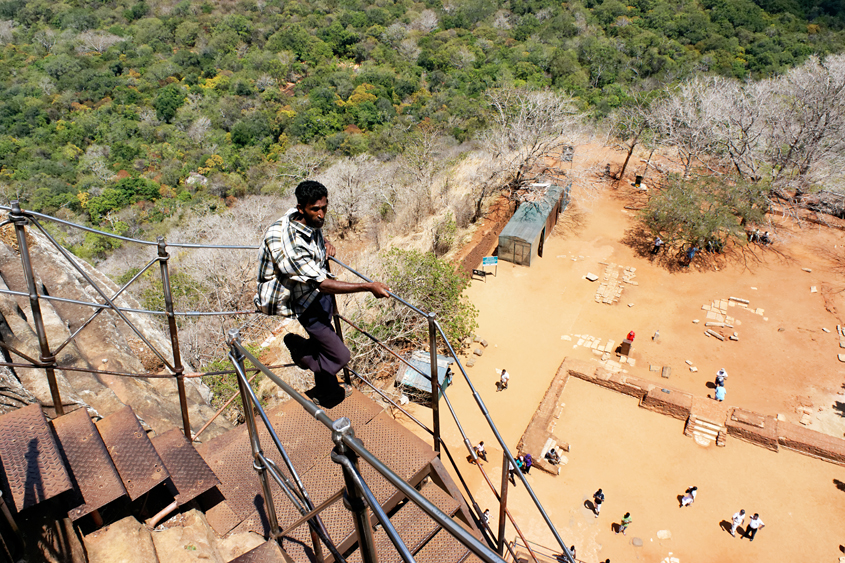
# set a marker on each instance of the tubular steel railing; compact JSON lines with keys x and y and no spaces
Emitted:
{"x":347,"y":448}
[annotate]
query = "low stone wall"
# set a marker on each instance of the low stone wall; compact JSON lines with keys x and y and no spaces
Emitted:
{"x":541,"y":427}
{"x":676,"y":404}
{"x":759,"y":429}
{"x":626,"y":384}
{"x":810,"y":442}
{"x":753,"y":427}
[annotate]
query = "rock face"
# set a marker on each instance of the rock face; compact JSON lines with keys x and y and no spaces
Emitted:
{"x":107,"y":343}
{"x":125,"y":541}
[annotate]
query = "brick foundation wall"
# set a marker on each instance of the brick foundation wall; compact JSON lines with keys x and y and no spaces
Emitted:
{"x":753,"y":427}
{"x":810,"y":442}
{"x":676,"y":404}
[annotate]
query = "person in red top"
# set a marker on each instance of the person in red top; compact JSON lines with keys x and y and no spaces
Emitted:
{"x":631,"y":336}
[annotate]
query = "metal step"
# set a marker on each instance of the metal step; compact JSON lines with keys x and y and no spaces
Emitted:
{"x":33,"y":469}
{"x":306,"y":441}
{"x":267,"y":552}
{"x":443,"y":548}
{"x":137,"y":462}
{"x":414,"y":526}
{"x":95,"y":477}
{"x":188,"y":472}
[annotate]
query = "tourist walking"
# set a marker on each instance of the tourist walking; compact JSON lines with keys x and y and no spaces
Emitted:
{"x":480,"y":451}
{"x":598,"y":498}
{"x":689,"y":496}
{"x":623,"y":525}
{"x":754,"y":525}
{"x":720,"y":393}
{"x":503,"y":380}
{"x":528,"y":463}
{"x":721,"y":376}
{"x":737,"y":520}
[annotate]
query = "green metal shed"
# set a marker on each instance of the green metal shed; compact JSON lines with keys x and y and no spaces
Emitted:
{"x":524,"y":235}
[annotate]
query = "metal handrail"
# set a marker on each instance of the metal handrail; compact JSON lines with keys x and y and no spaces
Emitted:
{"x":343,"y":434}
{"x":482,"y":407}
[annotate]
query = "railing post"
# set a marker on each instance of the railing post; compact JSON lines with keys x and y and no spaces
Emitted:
{"x":47,"y":358}
{"x":354,"y":499}
{"x":435,"y":381}
{"x":503,"y":504}
{"x":178,"y":370}
{"x":249,"y":416}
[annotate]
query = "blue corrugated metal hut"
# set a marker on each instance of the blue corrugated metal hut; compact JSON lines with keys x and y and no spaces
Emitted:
{"x":418,"y":386}
{"x":524,"y":235}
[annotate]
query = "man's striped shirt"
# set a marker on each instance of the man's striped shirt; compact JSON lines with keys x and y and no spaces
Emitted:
{"x":292,"y":263}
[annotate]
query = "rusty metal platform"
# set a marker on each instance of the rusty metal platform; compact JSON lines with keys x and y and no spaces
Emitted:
{"x":188,"y":471}
{"x":267,"y":552}
{"x":31,"y":461}
{"x":92,"y":471}
{"x":137,"y":462}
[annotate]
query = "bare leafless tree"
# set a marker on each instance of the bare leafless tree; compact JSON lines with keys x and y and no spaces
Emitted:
{"x":351,"y":181}
{"x":96,"y":41}
{"x":806,"y":123}
{"x":529,"y":125}
{"x":300,"y":162}
{"x":684,"y":120}
{"x":630,"y":124}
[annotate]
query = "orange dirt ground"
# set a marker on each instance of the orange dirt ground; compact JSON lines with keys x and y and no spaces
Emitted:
{"x":782,"y":361}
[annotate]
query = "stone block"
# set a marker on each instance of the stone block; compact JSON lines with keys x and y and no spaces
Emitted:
{"x":125,"y":541}
{"x":675,"y":403}
{"x":483,"y":343}
{"x":753,"y":427}
{"x":478,"y":351}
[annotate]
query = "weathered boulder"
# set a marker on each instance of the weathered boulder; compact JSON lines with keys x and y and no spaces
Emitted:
{"x":192,"y":541}
{"x":125,"y":541}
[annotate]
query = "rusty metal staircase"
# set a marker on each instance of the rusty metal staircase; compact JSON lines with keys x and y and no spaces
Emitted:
{"x":89,"y":466}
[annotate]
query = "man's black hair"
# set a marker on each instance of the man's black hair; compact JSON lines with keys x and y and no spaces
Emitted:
{"x":310,"y":191}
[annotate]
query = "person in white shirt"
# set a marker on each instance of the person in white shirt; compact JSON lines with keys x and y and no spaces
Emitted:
{"x":480,"y":451}
{"x":503,"y":380}
{"x":689,"y":496}
{"x":736,"y":521}
{"x":753,"y":526}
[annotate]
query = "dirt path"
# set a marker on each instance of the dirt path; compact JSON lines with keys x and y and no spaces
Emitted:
{"x":782,"y":361}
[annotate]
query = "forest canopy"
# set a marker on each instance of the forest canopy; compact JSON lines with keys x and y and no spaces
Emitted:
{"x":111,"y":104}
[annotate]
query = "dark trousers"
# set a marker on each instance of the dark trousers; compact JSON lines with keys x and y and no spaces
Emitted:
{"x":326,"y":354}
{"x":751,"y":532}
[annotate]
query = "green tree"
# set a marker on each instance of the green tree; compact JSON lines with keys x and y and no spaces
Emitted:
{"x":168,"y":101}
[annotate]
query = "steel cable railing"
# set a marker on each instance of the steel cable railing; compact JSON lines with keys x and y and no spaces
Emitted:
{"x":21,"y":218}
{"x":434,"y":325}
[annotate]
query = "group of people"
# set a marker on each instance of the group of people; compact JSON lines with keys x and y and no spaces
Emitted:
{"x":754,"y":523}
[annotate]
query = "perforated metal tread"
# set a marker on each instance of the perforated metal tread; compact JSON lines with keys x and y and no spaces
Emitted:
{"x":442,"y":548}
{"x":188,"y":471}
{"x":267,"y":552}
{"x":95,"y":477}
{"x":137,"y":462}
{"x":305,"y":440}
{"x":31,"y":462}
{"x":398,"y":448}
{"x":414,"y":526}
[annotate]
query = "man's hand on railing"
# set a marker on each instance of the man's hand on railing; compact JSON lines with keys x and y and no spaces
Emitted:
{"x":379,"y":290}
